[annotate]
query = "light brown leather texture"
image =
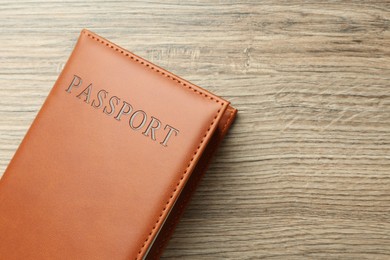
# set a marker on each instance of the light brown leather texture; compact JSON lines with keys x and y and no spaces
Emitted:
{"x":110,"y":161}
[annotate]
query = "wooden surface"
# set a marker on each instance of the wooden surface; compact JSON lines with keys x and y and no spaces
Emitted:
{"x":304,"y":172}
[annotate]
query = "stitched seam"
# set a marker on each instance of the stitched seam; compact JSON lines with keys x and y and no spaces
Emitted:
{"x":177,"y":217}
{"x":174,"y":221}
{"x":158,"y":252}
{"x":181,"y":207}
{"x":177,"y":185}
{"x":146,"y":64}
{"x":127,"y":54}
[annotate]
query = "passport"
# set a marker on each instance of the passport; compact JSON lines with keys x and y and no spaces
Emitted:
{"x":111,"y":160}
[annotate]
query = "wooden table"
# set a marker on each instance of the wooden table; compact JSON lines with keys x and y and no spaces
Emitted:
{"x":304,"y":172}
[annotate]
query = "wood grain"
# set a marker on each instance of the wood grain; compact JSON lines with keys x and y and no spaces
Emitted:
{"x":304,"y":172}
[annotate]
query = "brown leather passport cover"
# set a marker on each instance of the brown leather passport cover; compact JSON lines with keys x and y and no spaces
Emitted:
{"x":110,"y":161}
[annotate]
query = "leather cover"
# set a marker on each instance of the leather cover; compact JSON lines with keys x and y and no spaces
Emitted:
{"x":110,"y":161}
